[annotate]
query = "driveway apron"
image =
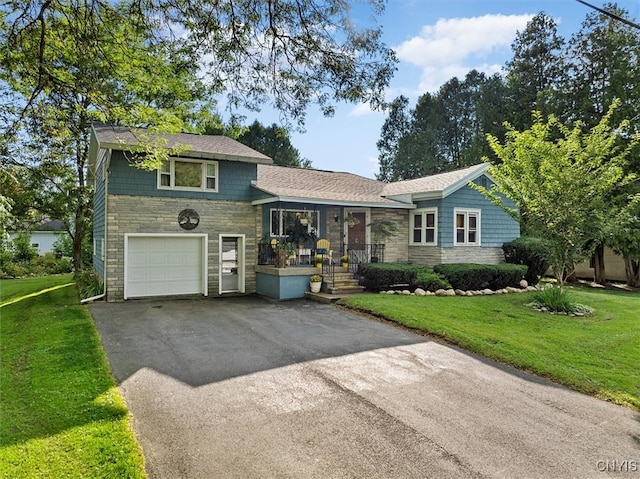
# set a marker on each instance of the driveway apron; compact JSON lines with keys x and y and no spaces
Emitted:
{"x":252,"y":388}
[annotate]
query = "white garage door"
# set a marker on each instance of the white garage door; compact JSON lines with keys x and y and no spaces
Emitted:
{"x":165,"y":265}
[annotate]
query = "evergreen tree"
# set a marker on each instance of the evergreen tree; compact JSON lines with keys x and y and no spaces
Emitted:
{"x":536,"y":71}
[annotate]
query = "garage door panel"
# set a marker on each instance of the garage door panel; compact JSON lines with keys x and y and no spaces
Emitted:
{"x":160,"y":266}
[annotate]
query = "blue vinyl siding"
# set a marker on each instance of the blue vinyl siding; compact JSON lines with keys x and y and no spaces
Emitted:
{"x":98,"y":216}
{"x":234,"y":181}
{"x":496,"y":225}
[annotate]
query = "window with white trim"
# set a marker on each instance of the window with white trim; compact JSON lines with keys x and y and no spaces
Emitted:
{"x":189,"y":175}
{"x":283,"y":221}
{"x":466,"y":227}
{"x":424,"y":227}
{"x":98,"y":248}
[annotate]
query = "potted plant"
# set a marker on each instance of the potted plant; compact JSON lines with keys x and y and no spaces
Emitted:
{"x":300,"y":235}
{"x":344,"y":260}
{"x":319,"y":260}
{"x":283,"y":251}
{"x":381,"y":230}
{"x":315,"y":283}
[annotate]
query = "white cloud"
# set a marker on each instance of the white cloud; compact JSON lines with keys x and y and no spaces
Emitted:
{"x":454,"y":46}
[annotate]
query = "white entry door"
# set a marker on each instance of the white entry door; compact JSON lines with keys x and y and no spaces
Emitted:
{"x":231,"y":264}
{"x":164,"y":265}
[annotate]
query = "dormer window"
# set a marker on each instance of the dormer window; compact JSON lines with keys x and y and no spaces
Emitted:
{"x":188,"y":175}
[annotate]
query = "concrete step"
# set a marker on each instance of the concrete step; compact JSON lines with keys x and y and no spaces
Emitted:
{"x":352,"y":289}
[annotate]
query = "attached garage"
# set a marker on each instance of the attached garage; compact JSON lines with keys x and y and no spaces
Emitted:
{"x":165,"y":265}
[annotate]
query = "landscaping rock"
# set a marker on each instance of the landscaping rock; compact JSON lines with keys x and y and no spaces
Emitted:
{"x":524,"y":284}
{"x":459,"y":292}
{"x":450,"y":292}
{"x":441,"y":292}
{"x":487,"y":292}
{"x":406,"y":292}
{"x":420,"y":292}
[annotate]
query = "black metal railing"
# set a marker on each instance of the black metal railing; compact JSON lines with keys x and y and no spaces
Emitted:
{"x":329,"y":273}
{"x":364,"y":253}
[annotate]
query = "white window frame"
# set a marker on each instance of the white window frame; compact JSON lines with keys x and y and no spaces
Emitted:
{"x":98,"y":248}
{"x":466,"y":212}
{"x":424,"y":212}
{"x":311,"y":228}
{"x":203,"y":171}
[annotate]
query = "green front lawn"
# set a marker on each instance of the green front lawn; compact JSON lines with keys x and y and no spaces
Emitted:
{"x":598,"y":355}
{"x":62,"y":415}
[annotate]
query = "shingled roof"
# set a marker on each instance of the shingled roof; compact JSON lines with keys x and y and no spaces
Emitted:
{"x":435,"y":186}
{"x":322,"y":187}
{"x":197,"y":146}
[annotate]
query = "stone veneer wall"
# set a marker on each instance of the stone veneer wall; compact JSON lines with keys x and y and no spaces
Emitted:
{"x":334,"y":231}
{"x":432,"y":255}
{"x":396,"y":247}
{"x":144,"y":214}
{"x":472,"y":254}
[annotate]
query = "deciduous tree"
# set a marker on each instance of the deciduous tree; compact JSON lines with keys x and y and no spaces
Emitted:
{"x":561,"y":186}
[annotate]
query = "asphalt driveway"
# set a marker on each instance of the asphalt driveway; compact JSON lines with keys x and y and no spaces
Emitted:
{"x":246,"y":387}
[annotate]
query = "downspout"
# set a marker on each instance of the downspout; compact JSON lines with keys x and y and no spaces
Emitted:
{"x":105,"y":176}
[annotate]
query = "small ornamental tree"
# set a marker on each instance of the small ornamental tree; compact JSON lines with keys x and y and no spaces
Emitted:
{"x":561,"y":180}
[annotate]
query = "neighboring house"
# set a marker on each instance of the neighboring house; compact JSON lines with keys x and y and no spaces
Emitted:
{"x":194,"y":226}
{"x":44,"y":235}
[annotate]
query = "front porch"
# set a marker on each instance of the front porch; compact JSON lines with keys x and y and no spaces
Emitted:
{"x":293,"y":282}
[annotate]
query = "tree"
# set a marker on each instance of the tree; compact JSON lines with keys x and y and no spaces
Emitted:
{"x":274,"y":142}
{"x":560,"y":186}
{"x":444,"y":131}
{"x":140,"y":63}
{"x":625,"y":239}
{"x":536,"y":70}
{"x":394,"y":128}
{"x":65,"y":65}
{"x":603,"y":67}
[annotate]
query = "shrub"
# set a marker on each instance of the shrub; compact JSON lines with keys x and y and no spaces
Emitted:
{"x":429,"y":280}
{"x":23,"y":251}
{"x":468,"y":276}
{"x":558,"y":300}
{"x":529,"y":251}
{"x":89,"y":284}
{"x":383,"y":276}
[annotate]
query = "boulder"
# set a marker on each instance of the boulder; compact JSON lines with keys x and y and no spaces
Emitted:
{"x":420,"y":292}
{"x":524,"y":284}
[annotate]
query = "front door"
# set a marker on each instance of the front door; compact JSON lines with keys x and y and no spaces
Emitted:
{"x":356,"y":234}
{"x":232,"y":264}
{"x":357,"y":230}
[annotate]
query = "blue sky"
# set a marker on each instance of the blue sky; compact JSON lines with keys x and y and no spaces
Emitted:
{"x":435,"y":40}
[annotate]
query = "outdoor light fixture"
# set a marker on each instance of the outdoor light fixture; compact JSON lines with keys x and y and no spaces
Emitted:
{"x":335,"y":217}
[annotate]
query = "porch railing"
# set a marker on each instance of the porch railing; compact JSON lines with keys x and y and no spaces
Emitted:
{"x":364,"y":253}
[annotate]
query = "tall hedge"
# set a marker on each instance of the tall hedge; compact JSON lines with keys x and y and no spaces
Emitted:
{"x":470,"y":276}
{"x":384,"y":276}
{"x":529,"y":251}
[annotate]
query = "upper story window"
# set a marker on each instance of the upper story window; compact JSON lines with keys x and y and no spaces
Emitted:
{"x":424,"y":229}
{"x":467,"y":227}
{"x":189,"y":175}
